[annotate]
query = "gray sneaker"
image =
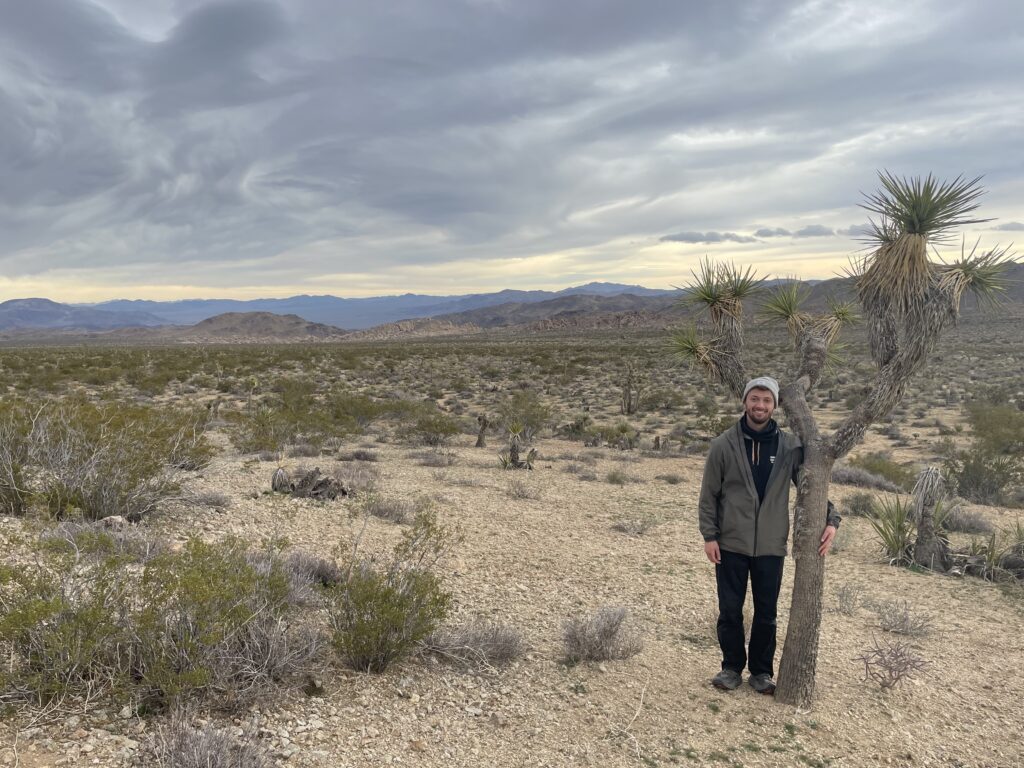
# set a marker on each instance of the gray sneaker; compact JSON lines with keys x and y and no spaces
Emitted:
{"x":762,"y":683}
{"x":727,"y":680}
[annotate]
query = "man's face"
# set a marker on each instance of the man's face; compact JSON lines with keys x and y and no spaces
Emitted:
{"x":759,"y":405}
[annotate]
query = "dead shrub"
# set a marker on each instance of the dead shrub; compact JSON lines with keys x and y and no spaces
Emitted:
{"x":394,"y":510}
{"x":898,"y":617}
{"x":602,"y":637}
{"x":519,"y":488}
{"x":357,"y":477}
{"x":890,"y":663}
{"x":180,"y":745}
{"x":476,"y":643}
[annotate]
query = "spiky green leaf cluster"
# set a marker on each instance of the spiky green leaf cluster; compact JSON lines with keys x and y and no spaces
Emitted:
{"x":721,"y":288}
{"x":921,"y":206}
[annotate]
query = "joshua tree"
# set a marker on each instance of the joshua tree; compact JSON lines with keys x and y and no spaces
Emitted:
{"x":907,"y":300}
{"x":930,"y":550}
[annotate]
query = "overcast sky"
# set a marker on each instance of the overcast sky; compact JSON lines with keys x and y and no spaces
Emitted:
{"x":186,"y":148}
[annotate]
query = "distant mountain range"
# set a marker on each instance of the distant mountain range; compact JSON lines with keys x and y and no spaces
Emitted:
{"x":311,"y":318}
{"x":355,"y":313}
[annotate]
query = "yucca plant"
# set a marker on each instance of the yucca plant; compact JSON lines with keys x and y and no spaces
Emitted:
{"x":913,"y":212}
{"x":895,"y":528}
{"x":785,"y":304}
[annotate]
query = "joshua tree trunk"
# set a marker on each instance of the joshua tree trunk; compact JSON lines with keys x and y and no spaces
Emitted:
{"x":800,"y":652}
{"x":481,"y":436}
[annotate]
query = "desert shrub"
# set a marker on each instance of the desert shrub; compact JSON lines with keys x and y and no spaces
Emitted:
{"x":890,"y":663}
{"x":601,"y":637}
{"x":621,"y":435}
{"x":96,"y":540}
{"x":208,"y":622}
{"x":313,"y":569}
{"x":79,"y":458}
{"x":305,"y":450}
{"x":525,"y":410}
{"x":898,"y":617}
{"x":519,"y":488}
{"x":435,"y":458}
{"x":382,"y":610}
{"x":361,"y":454}
{"x":662,"y":399}
{"x":357,"y":478}
{"x":849,"y":597}
{"x":881,"y":463}
{"x":180,"y":745}
{"x":861,"y":505}
{"x":671,"y":478}
{"x":997,"y":428}
{"x":433,"y":429}
{"x":862,"y":478}
{"x":895,"y":528}
{"x":983,"y":476}
{"x":618,"y":477}
{"x":475,"y":643}
{"x":392,"y":509}
{"x":959,"y":519}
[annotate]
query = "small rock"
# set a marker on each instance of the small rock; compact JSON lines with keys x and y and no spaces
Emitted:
{"x":125,"y":712}
{"x":474,"y":711}
{"x":418,"y":745}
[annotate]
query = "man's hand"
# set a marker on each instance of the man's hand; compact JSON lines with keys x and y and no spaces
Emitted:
{"x":826,"y":540}
{"x":713,"y":552}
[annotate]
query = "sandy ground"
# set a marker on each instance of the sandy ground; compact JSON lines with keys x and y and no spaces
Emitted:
{"x":531,"y":563}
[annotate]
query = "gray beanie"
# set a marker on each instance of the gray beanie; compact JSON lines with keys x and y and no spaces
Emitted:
{"x":763,"y":382}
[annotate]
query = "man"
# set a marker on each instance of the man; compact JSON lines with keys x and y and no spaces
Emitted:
{"x":744,"y":519}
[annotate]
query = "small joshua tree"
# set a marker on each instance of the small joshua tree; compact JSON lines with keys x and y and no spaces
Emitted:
{"x":930,"y":550}
{"x":907,"y":300}
{"x":510,"y":459}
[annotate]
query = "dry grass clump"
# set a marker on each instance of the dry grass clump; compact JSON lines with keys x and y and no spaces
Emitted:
{"x":211,"y":499}
{"x":392,"y":509}
{"x":845,"y":474}
{"x":476,"y":643}
{"x":670,"y":479}
{"x":635,"y":526}
{"x":436,"y":458}
{"x":181,"y":745}
{"x":518,"y":488}
{"x":602,"y":637}
{"x":618,"y":477}
{"x":314,"y":569}
{"x":357,"y":477}
{"x":849,"y":597}
{"x":959,"y":519}
{"x":97,"y":540}
{"x":898,"y":617}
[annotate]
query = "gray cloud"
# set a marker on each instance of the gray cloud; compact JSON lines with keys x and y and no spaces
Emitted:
{"x":707,"y":237}
{"x":1010,"y":226}
{"x":256,"y":140}
{"x":855,"y":230}
{"x":814,"y":230}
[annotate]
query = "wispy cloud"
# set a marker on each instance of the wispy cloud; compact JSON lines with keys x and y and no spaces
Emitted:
{"x":271,"y":146}
{"x":708,"y":237}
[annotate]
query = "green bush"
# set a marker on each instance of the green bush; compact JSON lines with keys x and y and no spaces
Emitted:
{"x":96,"y":459}
{"x":525,"y":410}
{"x":880,"y":463}
{"x":997,"y":429}
{"x":861,"y":505}
{"x":981,"y":475}
{"x":434,"y":429}
{"x":382,"y":610}
{"x":213,"y":621}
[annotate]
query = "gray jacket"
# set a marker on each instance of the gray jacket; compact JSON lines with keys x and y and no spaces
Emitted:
{"x":729,"y":510}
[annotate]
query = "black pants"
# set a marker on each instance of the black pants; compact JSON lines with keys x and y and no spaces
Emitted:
{"x":765,"y":574}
